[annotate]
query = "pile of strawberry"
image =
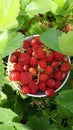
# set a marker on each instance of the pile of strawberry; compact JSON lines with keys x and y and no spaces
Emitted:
{"x":36,"y":67}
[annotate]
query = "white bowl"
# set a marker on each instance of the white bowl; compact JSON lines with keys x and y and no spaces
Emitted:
{"x":39,"y":94}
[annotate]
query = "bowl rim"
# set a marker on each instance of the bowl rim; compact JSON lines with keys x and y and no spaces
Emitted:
{"x":39,"y":93}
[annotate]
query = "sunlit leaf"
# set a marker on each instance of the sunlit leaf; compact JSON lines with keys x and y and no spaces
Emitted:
{"x":65,"y":42}
{"x":8,"y":13}
{"x":50,"y":38}
{"x":9,"y":41}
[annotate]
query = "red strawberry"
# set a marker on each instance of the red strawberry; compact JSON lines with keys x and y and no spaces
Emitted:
{"x":49,"y":92}
{"x":33,"y":61}
{"x":59,"y":75}
{"x":14,"y":75}
{"x":29,"y":51}
{"x":50,"y":57}
{"x":57,"y":84}
{"x":68,"y":28}
{"x":65,"y":67}
{"x":42,"y":86}
{"x":17,"y":67}
{"x":17,"y":53}
{"x":35,"y":41}
{"x":26,"y":67}
{"x":24,"y":31}
{"x":55,"y":64}
{"x":26,"y":43}
{"x":13,"y":58}
{"x":51,"y":82}
{"x":24,"y":59}
{"x":25,"y":77}
{"x":40,"y":53}
{"x":49,"y":70}
{"x":33,"y":87}
{"x":58,"y":56}
{"x":43,"y":77}
{"x":25,"y":90}
{"x":33,"y":71}
{"x":42,"y":63}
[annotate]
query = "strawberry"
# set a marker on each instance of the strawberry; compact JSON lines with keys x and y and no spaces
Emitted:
{"x":14,"y":75}
{"x":13,"y":58}
{"x":55,"y":64}
{"x":42,"y":63}
{"x":42,"y":86}
{"x":40,"y":53}
{"x":49,"y":92}
{"x":29,"y":51}
{"x":33,"y":61}
{"x":33,"y":71}
{"x":24,"y":59}
{"x":59,"y":75}
{"x":57,"y":84}
{"x":24,"y":31}
{"x":43,"y":77}
{"x":35,"y":41}
{"x":25,"y":77}
{"x":68,"y":28}
{"x":65,"y":67}
{"x":51,"y":82}
{"x":50,"y":57}
{"x":17,"y":67}
{"x":33,"y":87}
{"x":26,"y":43}
{"x":49,"y":70}
{"x":17,"y":53}
{"x":25,"y":90}
{"x":26,"y":67}
{"x":58,"y":56}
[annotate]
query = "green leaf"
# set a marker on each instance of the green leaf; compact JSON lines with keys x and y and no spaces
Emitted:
{"x":2,"y":73}
{"x":8,"y":13}
{"x":38,"y":123}
{"x":37,"y":28}
{"x":65,"y":99}
{"x":9,"y":41}
{"x":34,"y":7}
{"x":60,"y":2}
{"x":6,"y":127}
{"x":50,"y":38}
{"x":7,"y":115}
{"x":13,"y":126}
{"x":3,"y":98}
{"x":65,"y":42}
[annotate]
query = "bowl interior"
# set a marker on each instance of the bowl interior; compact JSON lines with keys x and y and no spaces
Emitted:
{"x":39,"y":94}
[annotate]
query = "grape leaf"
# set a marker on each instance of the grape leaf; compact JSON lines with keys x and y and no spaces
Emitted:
{"x":34,"y":7}
{"x":7,"y":115}
{"x":65,"y":42}
{"x":9,"y":41}
{"x":65,"y":99}
{"x":8,"y":13}
{"x":50,"y":38}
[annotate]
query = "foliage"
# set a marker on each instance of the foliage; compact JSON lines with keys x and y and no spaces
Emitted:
{"x":49,"y":20}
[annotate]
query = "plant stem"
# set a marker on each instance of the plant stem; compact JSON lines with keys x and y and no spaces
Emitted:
{"x":46,"y":114}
